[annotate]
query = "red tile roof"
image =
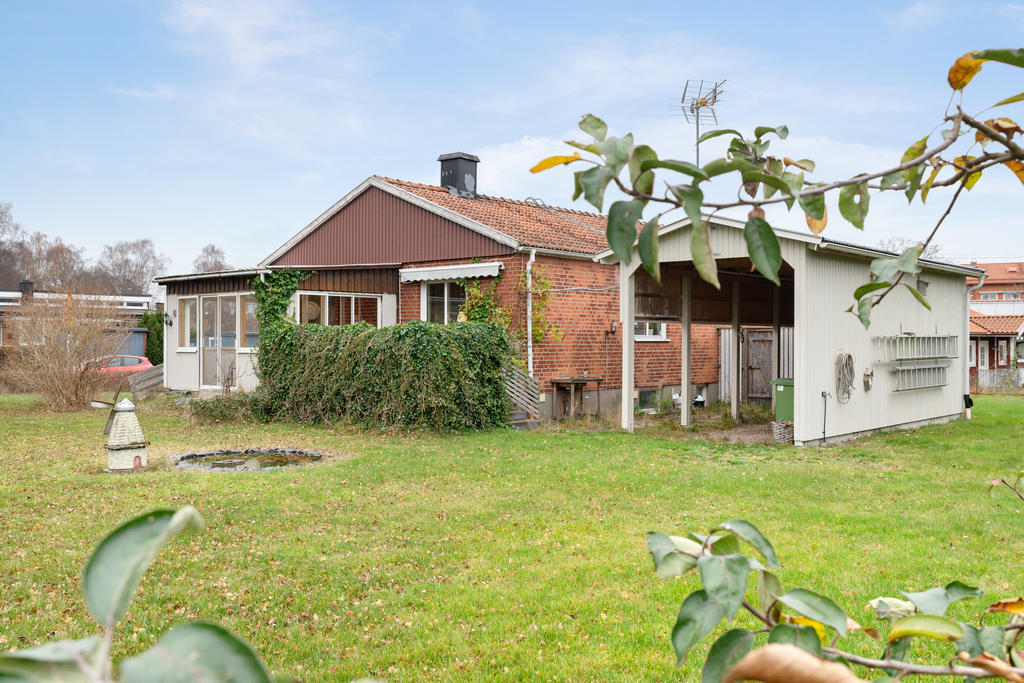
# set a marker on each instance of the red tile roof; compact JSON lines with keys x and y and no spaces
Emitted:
{"x":531,"y":224}
{"x":996,"y":324}
{"x":1000,"y":273}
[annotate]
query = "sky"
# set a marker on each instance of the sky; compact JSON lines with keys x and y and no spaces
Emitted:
{"x":237,"y":122}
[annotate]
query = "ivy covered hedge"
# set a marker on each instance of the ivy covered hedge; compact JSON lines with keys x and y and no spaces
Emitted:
{"x":442,"y":377}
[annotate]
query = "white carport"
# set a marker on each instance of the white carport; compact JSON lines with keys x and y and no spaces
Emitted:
{"x":907,"y":369}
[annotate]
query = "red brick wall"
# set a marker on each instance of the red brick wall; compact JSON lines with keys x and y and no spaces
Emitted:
{"x":583,"y":303}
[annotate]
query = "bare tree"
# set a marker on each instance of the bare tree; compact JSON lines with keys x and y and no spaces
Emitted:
{"x":130,"y":266}
{"x":898,"y":245}
{"x":62,"y":340}
{"x":210,"y":259}
{"x":51,"y":264}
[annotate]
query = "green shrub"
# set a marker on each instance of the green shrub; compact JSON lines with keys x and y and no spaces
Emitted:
{"x":154,"y":322}
{"x":414,"y":375}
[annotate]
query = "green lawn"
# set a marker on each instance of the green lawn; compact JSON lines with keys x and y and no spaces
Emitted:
{"x":495,"y":555}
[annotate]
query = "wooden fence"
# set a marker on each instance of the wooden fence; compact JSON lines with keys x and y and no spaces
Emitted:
{"x":146,"y":382}
{"x":522,"y":390}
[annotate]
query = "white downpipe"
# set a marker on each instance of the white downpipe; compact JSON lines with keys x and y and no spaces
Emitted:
{"x":967,"y":362}
{"x":529,"y":311}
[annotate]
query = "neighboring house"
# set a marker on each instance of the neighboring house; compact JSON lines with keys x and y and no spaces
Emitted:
{"x":1001,"y":292}
{"x":132,"y":304}
{"x":391,"y":251}
{"x":997,"y":342}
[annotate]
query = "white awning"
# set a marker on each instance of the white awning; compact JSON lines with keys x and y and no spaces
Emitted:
{"x":460,"y":272}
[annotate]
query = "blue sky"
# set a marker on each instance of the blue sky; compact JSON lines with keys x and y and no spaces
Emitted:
{"x":237,"y":122}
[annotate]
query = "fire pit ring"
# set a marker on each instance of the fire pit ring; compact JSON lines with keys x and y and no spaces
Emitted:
{"x":247,"y":459}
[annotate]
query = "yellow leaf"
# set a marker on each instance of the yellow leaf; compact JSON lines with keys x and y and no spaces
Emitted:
{"x":973,"y":178}
{"x":927,"y":186}
{"x":818,"y":627}
{"x":777,"y":663}
{"x":963,"y":70}
{"x":982,"y":138}
{"x":817,"y":226}
{"x":791,"y":162}
{"x":551,"y":162}
{"x":1017,"y":167}
{"x":993,"y":666}
{"x":852,"y":625}
{"x":1010,"y":605}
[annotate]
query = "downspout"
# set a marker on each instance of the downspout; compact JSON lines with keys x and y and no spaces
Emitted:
{"x":968,"y":403}
{"x":529,"y":311}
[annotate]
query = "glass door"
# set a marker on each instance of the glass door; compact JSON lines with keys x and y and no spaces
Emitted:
{"x":220,"y":340}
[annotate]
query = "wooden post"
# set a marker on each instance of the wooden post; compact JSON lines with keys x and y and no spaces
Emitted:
{"x":627,"y":316}
{"x":776,"y":341}
{"x":735,"y":351}
{"x":684,"y":391}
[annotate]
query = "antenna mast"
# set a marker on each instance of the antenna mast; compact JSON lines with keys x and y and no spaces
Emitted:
{"x":698,"y":105}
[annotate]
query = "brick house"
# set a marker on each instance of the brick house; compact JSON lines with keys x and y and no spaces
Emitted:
{"x":1002,"y":290}
{"x":994,"y":352}
{"x":392,"y":251}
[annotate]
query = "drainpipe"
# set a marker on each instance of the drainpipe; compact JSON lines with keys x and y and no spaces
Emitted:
{"x":529,"y":311}
{"x":967,"y":365}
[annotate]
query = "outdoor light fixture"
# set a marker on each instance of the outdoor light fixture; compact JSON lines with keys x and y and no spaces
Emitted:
{"x":168,"y":321}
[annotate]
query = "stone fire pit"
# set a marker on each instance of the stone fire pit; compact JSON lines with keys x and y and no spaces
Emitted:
{"x":247,"y":460}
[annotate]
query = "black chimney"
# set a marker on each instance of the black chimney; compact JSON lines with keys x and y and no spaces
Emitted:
{"x":458,"y":173}
{"x":25,"y":287}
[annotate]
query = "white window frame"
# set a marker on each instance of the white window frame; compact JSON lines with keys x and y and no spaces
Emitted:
{"x":973,"y":360}
{"x":240,"y":312}
{"x":1002,"y":353}
{"x":181,"y":322}
{"x":988,"y":296}
{"x":296,"y":313}
{"x":425,"y":293}
{"x":647,"y":335}
{"x":1011,"y":296}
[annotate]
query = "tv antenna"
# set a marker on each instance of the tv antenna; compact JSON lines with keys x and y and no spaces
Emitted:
{"x":698,"y":104}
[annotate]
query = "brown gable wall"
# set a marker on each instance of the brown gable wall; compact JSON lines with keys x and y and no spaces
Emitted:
{"x":378,"y":228}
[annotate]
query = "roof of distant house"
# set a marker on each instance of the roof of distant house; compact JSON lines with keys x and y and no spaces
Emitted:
{"x":996,"y":324}
{"x":1001,"y":273}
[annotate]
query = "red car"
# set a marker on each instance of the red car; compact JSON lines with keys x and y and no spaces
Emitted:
{"x":117,"y":366}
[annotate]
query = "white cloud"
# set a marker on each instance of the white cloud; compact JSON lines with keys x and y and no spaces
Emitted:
{"x":158,"y":91}
{"x":919,"y":14}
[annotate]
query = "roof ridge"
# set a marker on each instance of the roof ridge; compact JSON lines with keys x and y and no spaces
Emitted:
{"x":497,"y":198}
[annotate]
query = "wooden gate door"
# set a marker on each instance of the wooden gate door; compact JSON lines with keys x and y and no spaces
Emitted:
{"x":758,"y":363}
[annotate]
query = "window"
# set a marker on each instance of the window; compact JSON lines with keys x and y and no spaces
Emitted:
{"x":444,"y":300}
{"x":250,"y":325}
{"x":130,"y":362}
{"x":1003,"y":354}
{"x":1011,"y":296}
{"x":989,"y":296}
{"x":973,"y":358}
{"x":188,"y":323}
{"x":648,"y":331}
{"x":339,"y":309}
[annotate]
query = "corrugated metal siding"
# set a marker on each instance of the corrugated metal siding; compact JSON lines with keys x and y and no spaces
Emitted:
{"x":213,"y":285}
{"x":358,"y":280}
{"x":135,"y":343}
{"x":824,"y":291}
{"x":725,"y":359}
{"x":377,"y":227}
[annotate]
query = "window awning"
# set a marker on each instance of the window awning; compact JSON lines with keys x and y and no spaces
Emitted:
{"x":464,"y":271}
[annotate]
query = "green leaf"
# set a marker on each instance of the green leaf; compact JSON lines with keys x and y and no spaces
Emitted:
{"x":749,"y":533}
{"x":645,"y":183}
{"x":196,"y":651}
{"x":120,"y":560}
{"x":641,"y":153}
{"x":927,"y":625}
{"x":724,"y":578}
{"x":969,"y":643}
{"x":993,"y":641}
{"x":769,"y":588}
{"x":937,"y":600}
{"x":670,"y":554}
{"x":915,"y":182}
{"x":868,"y":288}
{"x":898,"y":650}
{"x":1013,"y":57}
{"x":765,"y":252}
{"x":886,"y":269}
{"x":621,"y":232}
{"x":893,"y":180}
{"x":616,"y":151}
{"x":578,"y":186}
{"x":913,"y":152}
{"x":586,"y":147}
{"x":717,"y":167}
{"x":647,"y":247}
{"x":593,"y":126}
{"x":715,"y":133}
{"x":816,"y":607}
{"x":593,"y":182}
{"x":692,"y":200}
{"x":53,"y":662}
{"x":781,"y":131}
{"x":686,"y":167}
{"x":917,"y":295}
{"x":698,"y":615}
{"x":853,"y":204}
{"x":795,"y":181}
{"x":1010,"y":100}
{"x":726,"y":651}
{"x":813,"y":205}
{"x":803,"y":637}
{"x":757,"y":176}
{"x":864,"y":307}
